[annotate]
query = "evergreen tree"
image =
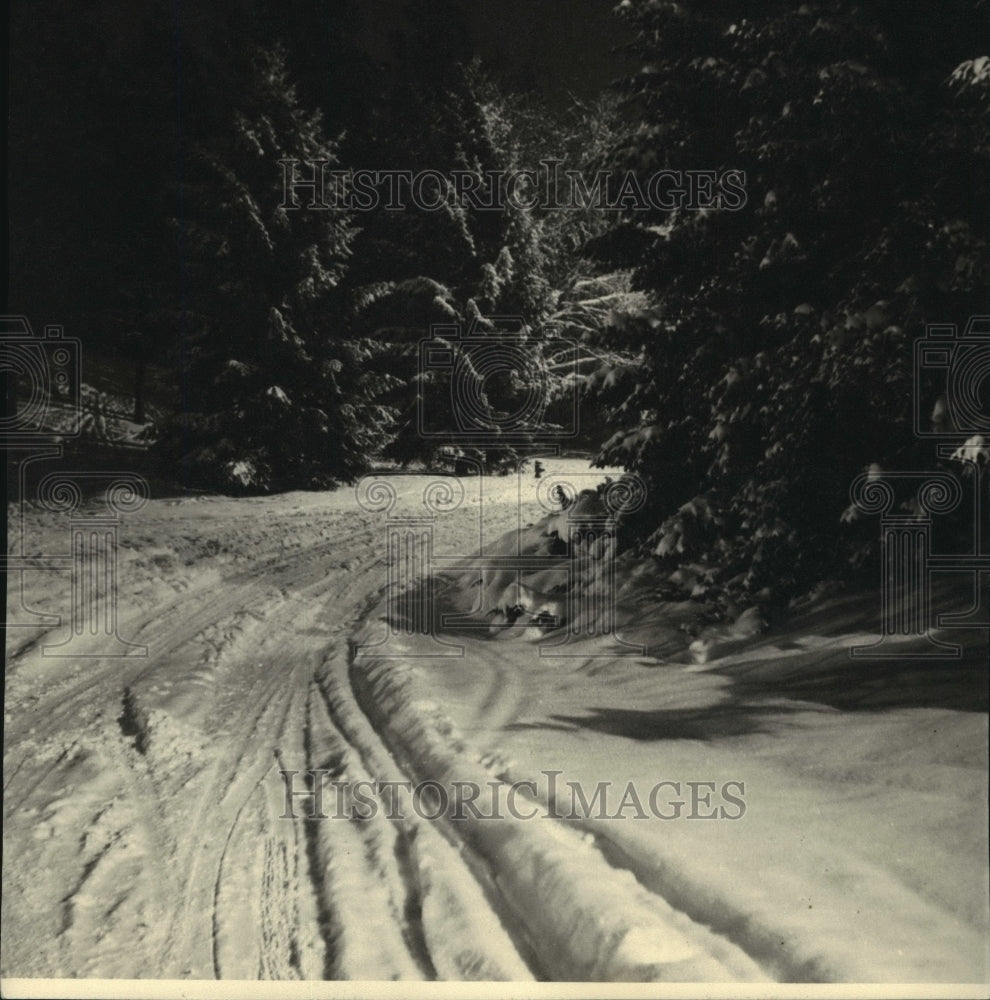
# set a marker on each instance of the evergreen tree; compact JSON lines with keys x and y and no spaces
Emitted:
{"x":272,"y":396}
{"x":775,"y":359}
{"x":458,"y":264}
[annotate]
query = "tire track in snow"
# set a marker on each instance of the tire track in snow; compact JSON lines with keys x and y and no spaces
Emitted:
{"x":211,"y":820}
{"x":277,"y":942}
{"x":100,"y":834}
{"x":285,"y":653}
{"x":198,"y":797}
{"x":589,"y":919}
{"x":451,"y":910}
{"x":357,"y":885}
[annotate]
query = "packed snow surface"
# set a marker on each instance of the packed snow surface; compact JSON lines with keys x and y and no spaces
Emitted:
{"x":701,"y":802}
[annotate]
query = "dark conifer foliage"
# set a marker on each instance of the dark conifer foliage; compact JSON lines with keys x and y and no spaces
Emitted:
{"x":748,"y":360}
{"x":273,"y":396}
{"x":775,"y":359}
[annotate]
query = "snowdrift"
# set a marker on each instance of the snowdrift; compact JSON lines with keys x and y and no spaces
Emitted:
{"x":860,"y":852}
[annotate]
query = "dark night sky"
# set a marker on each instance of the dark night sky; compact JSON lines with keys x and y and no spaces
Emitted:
{"x":556,"y":46}
{"x":565,"y":44}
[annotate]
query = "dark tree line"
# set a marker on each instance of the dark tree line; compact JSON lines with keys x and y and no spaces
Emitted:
{"x":747,"y":364}
{"x":775,"y":361}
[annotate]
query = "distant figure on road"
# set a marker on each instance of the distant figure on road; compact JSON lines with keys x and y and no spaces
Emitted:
{"x":537,"y":469}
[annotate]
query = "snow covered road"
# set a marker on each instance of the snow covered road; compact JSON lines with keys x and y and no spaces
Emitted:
{"x":147,"y":830}
{"x":143,"y":795}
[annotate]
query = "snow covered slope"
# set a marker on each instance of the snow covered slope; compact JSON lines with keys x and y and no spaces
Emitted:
{"x":147,"y":833}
